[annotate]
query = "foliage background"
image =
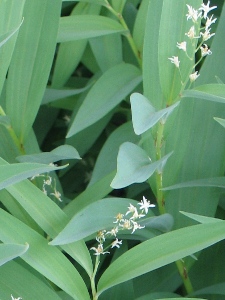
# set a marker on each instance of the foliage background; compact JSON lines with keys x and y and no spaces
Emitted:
{"x":66,"y":77}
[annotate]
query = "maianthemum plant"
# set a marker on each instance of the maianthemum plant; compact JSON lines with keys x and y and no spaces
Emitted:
{"x":112,"y":150}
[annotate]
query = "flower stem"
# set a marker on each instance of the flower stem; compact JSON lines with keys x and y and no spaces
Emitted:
{"x":161,"y":204}
{"x":127,"y":34}
{"x":158,"y":146}
{"x":93,"y":287}
{"x":184,"y":275}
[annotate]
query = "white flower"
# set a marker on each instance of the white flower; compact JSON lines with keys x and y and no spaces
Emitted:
{"x":99,"y":250}
{"x":101,"y":236}
{"x":192,"y":14}
{"x":131,"y":209}
{"x":15,"y":298}
{"x":136,"y":215}
{"x":209,"y":22}
{"x":174,"y":60}
{"x":136,"y":226}
{"x":182,"y":46}
{"x":119,"y":218}
{"x":126,"y":224}
{"x":145,"y":204}
{"x":194,"y":76}
{"x":206,"y":9}
{"x":116,"y":243}
{"x":57,"y":195}
{"x":191,"y":33}
{"x":205,"y":50}
{"x":113,"y":231}
{"x":48,"y":181}
{"x":206,"y":35}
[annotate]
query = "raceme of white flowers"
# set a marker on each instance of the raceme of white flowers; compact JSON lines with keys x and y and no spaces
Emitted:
{"x":195,"y":15}
{"x":122,"y":223}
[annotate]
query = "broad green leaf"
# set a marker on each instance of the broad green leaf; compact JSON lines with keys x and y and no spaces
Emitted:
{"x":200,"y":219}
{"x":151,"y":82}
{"x":31,"y":63}
{"x":108,"y":91}
{"x":176,"y":245}
{"x":84,"y":223}
{"x":218,"y":182}
{"x":7,"y":29}
{"x":216,"y":289}
{"x":74,"y":28}
{"x":13,"y":173}
{"x":47,"y":260}
{"x":21,"y":282}
{"x":54,"y":94}
{"x":211,"y":92}
{"x":49,"y":217}
{"x":220,"y":121}
{"x":107,"y":50}
{"x":140,"y":25}
{"x":118,"y":5}
{"x":70,"y":53}
{"x":144,"y":115}
{"x":59,"y":153}
{"x":134,"y":165}
{"x":100,"y":2}
{"x":4,"y":39}
{"x":11,"y":251}
{"x":106,"y":161}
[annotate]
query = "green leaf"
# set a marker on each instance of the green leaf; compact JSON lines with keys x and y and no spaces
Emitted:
{"x":200,"y":219}
{"x":8,"y":27}
{"x":11,"y":251}
{"x":218,"y":182}
{"x":176,"y":245}
{"x":134,"y":166}
{"x":83,"y":224}
{"x":70,"y":53}
{"x":108,"y":91}
{"x":211,"y":92}
{"x":215,"y":289}
{"x":54,"y":94}
{"x":74,"y":28}
{"x":106,"y":161}
{"x":144,"y":115}
{"x":4,"y":39}
{"x":11,"y":174}
{"x":17,"y":280}
{"x":47,"y":260}
{"x":220,"y":121}
{"x":31,"y":63}
{"x":59,"y":153}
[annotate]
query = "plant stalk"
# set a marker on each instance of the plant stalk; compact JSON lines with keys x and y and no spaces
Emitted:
{"x":93,"y":287}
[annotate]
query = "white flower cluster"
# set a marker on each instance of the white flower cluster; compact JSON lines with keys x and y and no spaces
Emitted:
{"x":195,"y":15}
{"x":48,"y":182}
{"x":123,"y":223}
{"x":12,"y":298}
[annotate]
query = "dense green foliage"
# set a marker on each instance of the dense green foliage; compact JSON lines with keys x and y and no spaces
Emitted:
{"x":112,"y":153}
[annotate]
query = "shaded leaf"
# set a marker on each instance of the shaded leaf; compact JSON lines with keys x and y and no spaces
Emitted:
{"x":108,"y":91}
{"x":144,"y":115}
{"x":86,"y":26}
{"x":211,"y":92}
{"x":11,"y":251}
{"x":134,"y":165}
{"x":59,"y":153}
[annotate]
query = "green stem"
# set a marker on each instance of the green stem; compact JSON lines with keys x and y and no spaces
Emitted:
{"x":161,"y":204}
{"x":128,"y":34}
{"x":13,"y":134}
{"x":158,"y":146}
{"x":184,"y":275}
{"x":93,"y":287}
